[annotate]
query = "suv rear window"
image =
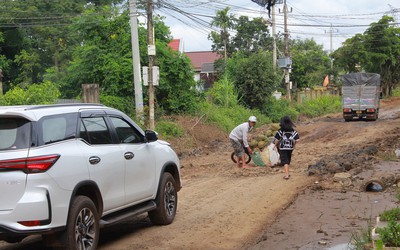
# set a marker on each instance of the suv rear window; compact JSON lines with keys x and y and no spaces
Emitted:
{"x":15,"y":133}
{"x":56,"y":128}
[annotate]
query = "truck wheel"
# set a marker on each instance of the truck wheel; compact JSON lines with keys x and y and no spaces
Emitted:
{"x":167,"y":201}
{"x":83,"y":228}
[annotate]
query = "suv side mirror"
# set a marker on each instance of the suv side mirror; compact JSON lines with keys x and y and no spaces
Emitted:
{"x":151,"y":135}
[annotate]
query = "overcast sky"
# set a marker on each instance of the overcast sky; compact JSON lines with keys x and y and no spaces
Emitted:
{"x":190,"y":19}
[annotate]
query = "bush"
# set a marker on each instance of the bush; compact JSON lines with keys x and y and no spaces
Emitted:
{"x":168,"y":130}
{"x":390,"y":235}
{"x":321,"y":106}
{"x":124,"y":104}
{"x":228,"y":118}
{"x":276,"y":109}
{"x":392,"y":214}
{"x":223,"y":93}
{"x":44,"y":93}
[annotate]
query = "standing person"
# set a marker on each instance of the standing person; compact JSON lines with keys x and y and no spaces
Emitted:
{"x":238,"y":139}
{"x":285,"y":140}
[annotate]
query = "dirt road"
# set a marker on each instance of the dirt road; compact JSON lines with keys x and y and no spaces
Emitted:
{"x":222,"y":207}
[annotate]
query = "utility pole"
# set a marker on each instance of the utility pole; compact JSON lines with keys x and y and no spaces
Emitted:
{"x":274,"y":37}
{"x":136,"y":60}
{"x":151,"y":51}
{"x":286,"y":33}
{"x":331,"y":31}
{"x":274,"y":56}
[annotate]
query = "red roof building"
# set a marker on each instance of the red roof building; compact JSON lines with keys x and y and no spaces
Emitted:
{"x":176,"y":44}
{"x":203,"y":63}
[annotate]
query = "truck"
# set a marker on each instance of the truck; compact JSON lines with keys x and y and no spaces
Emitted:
{"x":361,"y":96}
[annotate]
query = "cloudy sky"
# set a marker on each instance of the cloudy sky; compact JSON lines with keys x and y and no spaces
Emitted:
{"x":190,"y":19}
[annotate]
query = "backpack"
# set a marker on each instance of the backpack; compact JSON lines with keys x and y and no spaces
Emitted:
{"x":287,"y":140}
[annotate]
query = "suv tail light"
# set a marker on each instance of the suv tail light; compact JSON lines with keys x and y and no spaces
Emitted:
{"x":31,"y":165}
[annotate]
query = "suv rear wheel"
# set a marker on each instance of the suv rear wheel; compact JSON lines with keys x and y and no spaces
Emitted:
{"x":167,"y":199}
{"x":83,"y":225}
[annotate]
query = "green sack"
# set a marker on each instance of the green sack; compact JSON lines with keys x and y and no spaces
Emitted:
{"x":256,"y":157}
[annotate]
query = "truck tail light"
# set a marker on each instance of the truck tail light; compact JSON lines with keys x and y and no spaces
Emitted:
{"x":31,"y":165}
{"x":371,"y":110}
{"x":346,"y":110}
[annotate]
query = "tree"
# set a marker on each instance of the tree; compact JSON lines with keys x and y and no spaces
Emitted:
{"x":375,"y":51}
{"x":310,"y":63}
{"x":251,"y":35}
{"x":254,"y":77}
{"x":350,"y":55}
{"x":221,"y":40}
{"x":382,"y":41}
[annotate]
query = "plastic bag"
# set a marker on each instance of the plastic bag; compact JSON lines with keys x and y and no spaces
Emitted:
{"x":256,"y":157}
{"x":274,"y":156}
{"x":265,"y":156}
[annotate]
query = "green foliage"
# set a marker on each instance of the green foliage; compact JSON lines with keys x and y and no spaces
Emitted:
{"x":124,"y":104}
{"x":168,"y":130}
{"x":375,"y":51}
{"x":44,"y":93}
{"x":310,"y":63}
{"x":276,"y":109}
{"x":254,"y":78}
{"x":323,"y":105}
{"x":221,"y":40}
{"x":390,"y":235}
{"x":396,"y":91}
{"x":223,"y":93}
{"x":228,"y":118}
{"x":392,"y":214}
{"x":251,"y":35}
{"x":176,"y":92}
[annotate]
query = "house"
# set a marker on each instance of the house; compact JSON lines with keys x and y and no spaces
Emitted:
{"x":203,"y":64}
{"x":202,"y":61}
{"x":177,"y":45}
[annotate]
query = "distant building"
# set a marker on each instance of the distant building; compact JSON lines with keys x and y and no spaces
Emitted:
{"x":202,"y":61}
{"x":177,"y":45}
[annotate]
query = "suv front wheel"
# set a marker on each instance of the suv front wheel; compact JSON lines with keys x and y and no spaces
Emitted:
{"x":83,"y":225}
{"x":167,"y":200}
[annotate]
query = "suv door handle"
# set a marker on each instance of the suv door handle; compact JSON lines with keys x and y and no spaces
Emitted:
{"x":129,"y":155}
{"x":94,"y":160}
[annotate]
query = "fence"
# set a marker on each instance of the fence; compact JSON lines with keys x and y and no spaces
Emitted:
{"x":311,"y":94}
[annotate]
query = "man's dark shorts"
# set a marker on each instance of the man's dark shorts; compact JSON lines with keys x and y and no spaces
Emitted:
{"x":237,"y":147}
{"x":286,"y":156}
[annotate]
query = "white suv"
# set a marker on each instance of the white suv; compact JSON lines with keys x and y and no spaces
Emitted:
{"x":68,"y":170}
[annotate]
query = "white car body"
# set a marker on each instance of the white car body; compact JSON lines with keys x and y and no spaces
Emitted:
{"x":115,"y":175}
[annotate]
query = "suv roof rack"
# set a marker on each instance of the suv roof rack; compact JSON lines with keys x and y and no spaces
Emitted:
{"x":65,"y":105}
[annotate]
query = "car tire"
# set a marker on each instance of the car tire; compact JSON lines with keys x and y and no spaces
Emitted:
{"x":83,"y":227}
{"x":166,"y":200}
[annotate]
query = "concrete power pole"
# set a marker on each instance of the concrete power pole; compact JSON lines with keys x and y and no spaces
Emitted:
{"x":136,"y":60}
{"x":274,"y":37}
{"x":286,"y":33}
{"x":331,"y":31}
{"x":151,"y":50}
